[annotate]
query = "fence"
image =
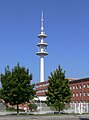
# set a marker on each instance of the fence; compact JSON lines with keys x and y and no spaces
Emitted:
{"x":73,"y":108}
{"x":79,"y":107}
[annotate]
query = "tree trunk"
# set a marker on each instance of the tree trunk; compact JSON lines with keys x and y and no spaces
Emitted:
{"x":59,"y":109}
{"x":17,"y":109}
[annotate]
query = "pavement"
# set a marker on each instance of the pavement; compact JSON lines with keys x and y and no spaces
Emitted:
{"x":52,"y":117}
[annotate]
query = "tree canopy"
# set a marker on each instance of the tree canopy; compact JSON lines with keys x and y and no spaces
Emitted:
{"x":16,"y":85}
{"x":58,"y":89}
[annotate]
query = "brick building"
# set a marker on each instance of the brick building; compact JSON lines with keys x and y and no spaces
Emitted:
{"x":41,"y":89}
{"x":79,"y":88}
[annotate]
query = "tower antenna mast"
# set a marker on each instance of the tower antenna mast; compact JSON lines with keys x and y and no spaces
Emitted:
{"x":42,"y":45}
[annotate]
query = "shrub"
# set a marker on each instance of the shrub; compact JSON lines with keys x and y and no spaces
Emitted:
{"x":32,"y":107}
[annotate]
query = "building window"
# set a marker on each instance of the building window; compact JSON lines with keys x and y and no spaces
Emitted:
{"x":80,"y":86}
{"x":88,"y":85}
{"x":46,"y":84}
{"x":37,"y":86}
{"x":46,"y":90}
{"x":88,"y":94}
{"x":76,"y":94}
{"x":76,"y":86}
{"x":73,"y":95}
{"x":84,"y":94}
{"x":84,"y":85}
{"x":73,"y":87}
{"x":80,"y":94}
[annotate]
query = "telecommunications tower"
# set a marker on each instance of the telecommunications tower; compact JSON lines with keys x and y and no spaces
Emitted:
{"x":42,"y":48}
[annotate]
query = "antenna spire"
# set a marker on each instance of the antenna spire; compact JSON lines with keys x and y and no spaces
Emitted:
{"x":42,"y":22}
{"x":42,"y":34}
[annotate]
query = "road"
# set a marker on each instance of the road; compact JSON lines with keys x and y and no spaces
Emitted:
{"x":56,"y":117}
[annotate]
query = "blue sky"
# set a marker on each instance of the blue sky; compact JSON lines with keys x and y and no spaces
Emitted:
{"x":66,"y":23}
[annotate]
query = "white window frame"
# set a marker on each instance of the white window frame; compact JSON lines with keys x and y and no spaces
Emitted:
{"x":88,"y":85}
{"x":76,"y":94}
{"x":84,"y":94}
{"x":80,"y":86}
{"x":80,"y":94}
{"x":84,"y":85}
{"x":73,"y":87}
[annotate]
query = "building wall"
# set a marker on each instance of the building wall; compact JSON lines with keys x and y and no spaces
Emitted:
{"x":24,"y":106}
{"x":41,"y":88}
{"x":79,"y":88}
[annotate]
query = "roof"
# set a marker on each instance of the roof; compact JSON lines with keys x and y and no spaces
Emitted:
{"x":40,"y":83}
{"x":79,"y":80}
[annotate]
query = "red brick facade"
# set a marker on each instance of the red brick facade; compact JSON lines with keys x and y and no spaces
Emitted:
{"x":41,"y":88}
{"x":79,"y":88}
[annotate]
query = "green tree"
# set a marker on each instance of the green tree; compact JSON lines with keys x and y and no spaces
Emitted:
{"x":58,"y":89}
{"x":32,"y":107}
{"x":16,"y":86}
